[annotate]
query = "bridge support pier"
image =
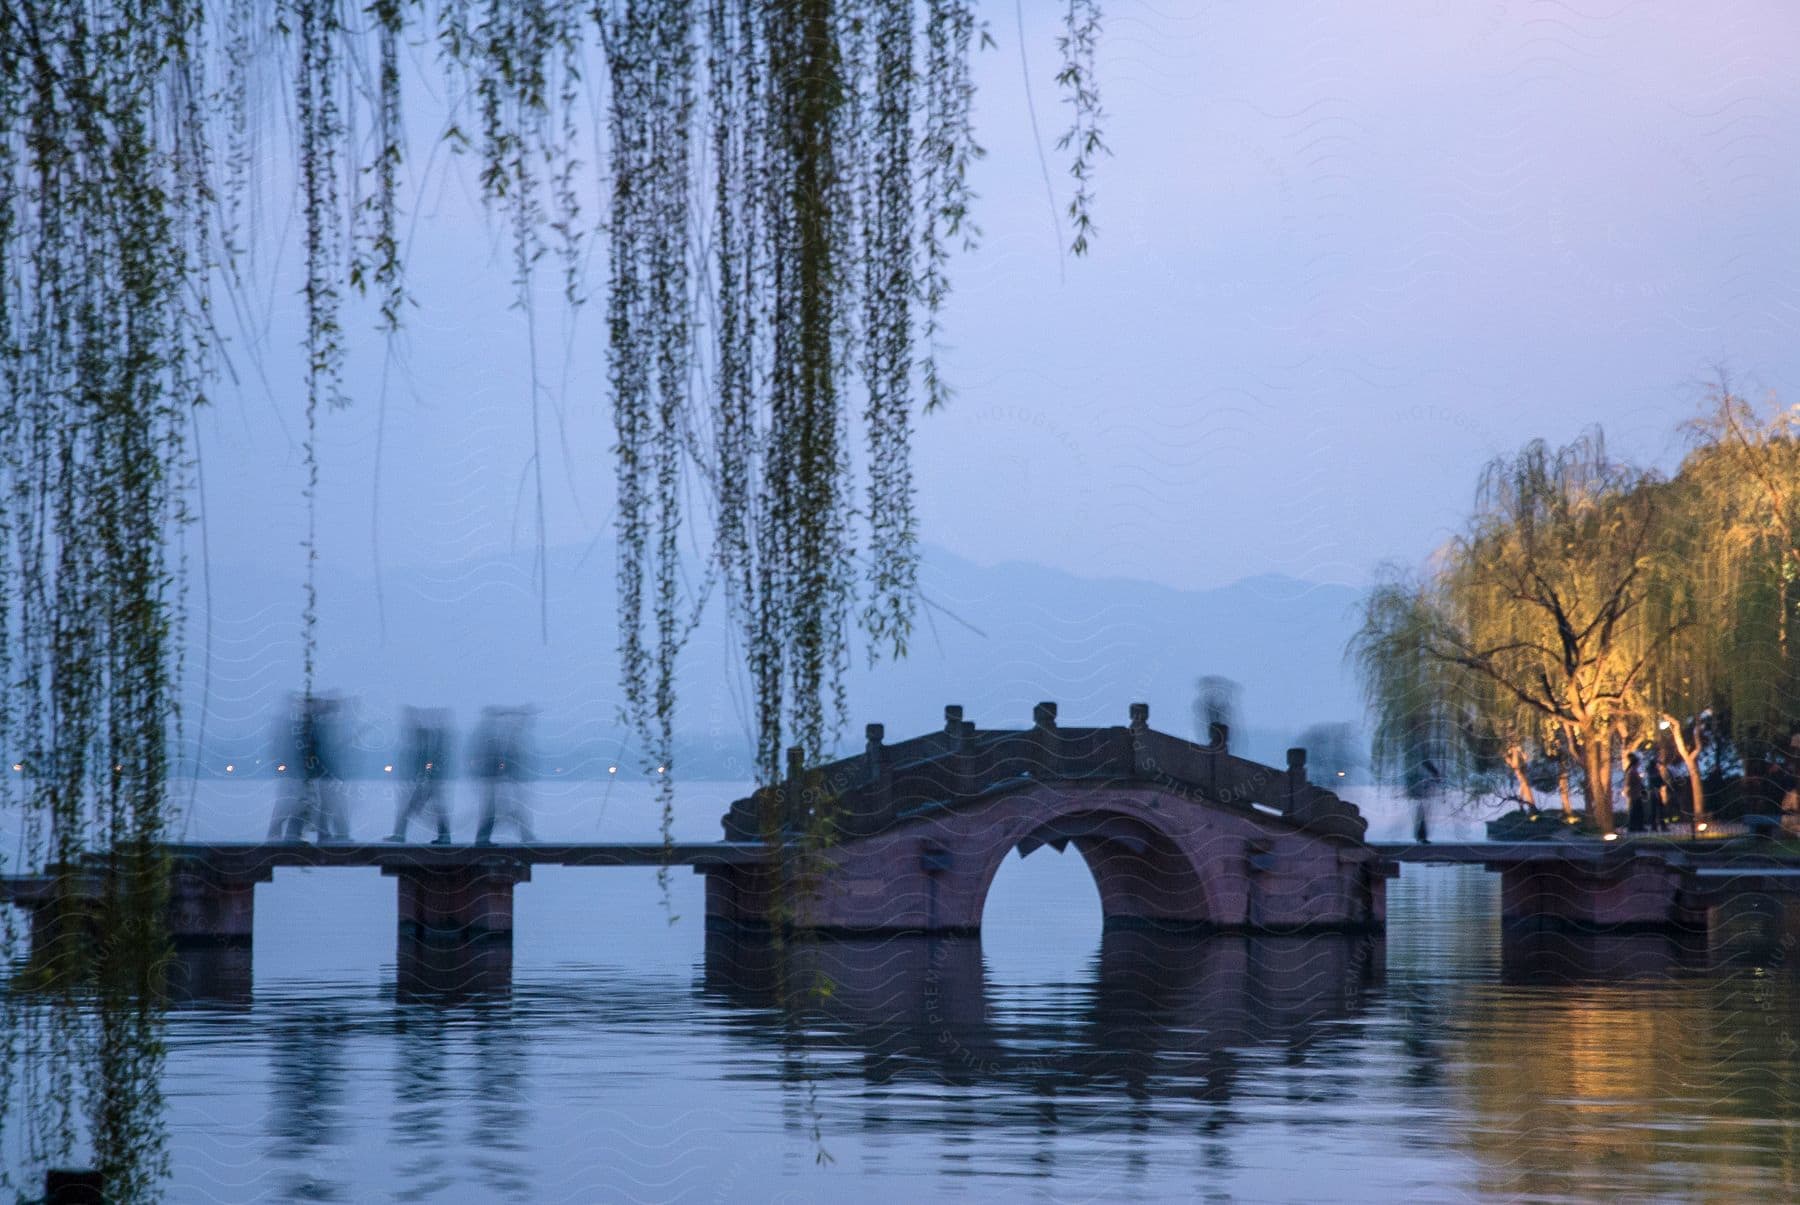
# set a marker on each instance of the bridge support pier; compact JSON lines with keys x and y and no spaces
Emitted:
{"x":212,"y":923}
{"x":209,"y":918}
{"x":1640,"y":893}
{"x":455,"y":927}
{"x":1751,"y":923}
{"x":208,"y":909}
{"x":61,"y":905}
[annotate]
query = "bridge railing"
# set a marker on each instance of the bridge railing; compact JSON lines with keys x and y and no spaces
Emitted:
{"x":888,"y":784}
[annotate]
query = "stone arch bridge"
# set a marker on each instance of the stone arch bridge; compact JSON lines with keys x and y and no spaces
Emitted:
{"x":1175,"y":833}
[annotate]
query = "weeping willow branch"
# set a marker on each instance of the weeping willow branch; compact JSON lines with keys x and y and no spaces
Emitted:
{"x":1080,"y":43}
{"x":782,"y":190}
{"x":317,"y":27}
{"x":106,"y":258}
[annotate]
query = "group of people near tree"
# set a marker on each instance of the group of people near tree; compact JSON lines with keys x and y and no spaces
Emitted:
{"x":1647,"y":804}
{"x":312,"y":797}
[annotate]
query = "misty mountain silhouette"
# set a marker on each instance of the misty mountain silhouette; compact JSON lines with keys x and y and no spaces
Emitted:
{"x":993,"y":638}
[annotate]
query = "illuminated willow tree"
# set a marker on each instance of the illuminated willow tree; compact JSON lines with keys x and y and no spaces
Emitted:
{"x":1740,"y":530}
{"x":1592,"y":609}
{"x":1733,"y":528}
{"x":1532,"y":630}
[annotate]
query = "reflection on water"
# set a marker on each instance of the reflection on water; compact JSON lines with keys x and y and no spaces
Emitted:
{"x":423,"y":1122}
{"x":1453,"y":1059}
{"x":447,"y":972}
{"x":82,"y":1042}
{"x":308,"y":1116}
{"x":1554,"y":958}
{"x":1159,"y":1014}
{"x":1649,"y":1085}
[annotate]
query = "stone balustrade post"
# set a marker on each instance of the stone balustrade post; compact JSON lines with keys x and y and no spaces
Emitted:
{"x":1043,"y":729}
{"x":1296,"y":779}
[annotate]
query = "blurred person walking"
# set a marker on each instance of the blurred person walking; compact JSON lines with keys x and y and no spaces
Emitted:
{"x":426,"y":761}
{"x":501,"y":763}
{"x":310,"y":794}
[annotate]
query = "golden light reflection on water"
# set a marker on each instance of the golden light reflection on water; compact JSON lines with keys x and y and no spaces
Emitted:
{"x":1650,"y":1086}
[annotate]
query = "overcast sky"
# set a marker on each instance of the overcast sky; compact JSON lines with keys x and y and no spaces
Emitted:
{"x":1348,"y":252}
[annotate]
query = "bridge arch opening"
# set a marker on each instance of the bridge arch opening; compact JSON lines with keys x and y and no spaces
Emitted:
{"x":1041,"y":920}
{"x":1039,"y":908}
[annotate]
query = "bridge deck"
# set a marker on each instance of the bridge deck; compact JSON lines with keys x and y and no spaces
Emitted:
{"x":1723,"y":855}
{"x":254,"y":859}
{"x":252,"y":856}
{"x":234,"y":857}
{"x":257,"y":860}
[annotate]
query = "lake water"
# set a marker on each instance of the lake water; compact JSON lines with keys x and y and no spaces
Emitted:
{"x":631,"y":1059}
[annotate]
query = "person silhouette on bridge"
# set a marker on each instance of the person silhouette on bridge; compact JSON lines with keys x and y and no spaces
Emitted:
{"x":500,"y":762}
{"x":310,"y":796}
{"x":427,"y":759}
{"x":289,"y":816}
{"x":1434,"y":783}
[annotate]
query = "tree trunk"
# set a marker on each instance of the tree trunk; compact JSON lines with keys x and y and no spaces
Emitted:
{"x":1515,"y":757}
{"x":1692,"y":761}
{"x":1596,"y":775}
{"x":1690,"y":757}
{"x":1562,"y":785}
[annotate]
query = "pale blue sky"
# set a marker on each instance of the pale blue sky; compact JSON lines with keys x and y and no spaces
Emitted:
{"x":1348,"y":252}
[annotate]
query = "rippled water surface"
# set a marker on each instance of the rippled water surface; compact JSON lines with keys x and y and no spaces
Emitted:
{"x":634,"y":1058}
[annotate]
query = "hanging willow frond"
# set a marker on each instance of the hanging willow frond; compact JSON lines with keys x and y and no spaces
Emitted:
{"x":1080,"y":44}
{"x":106,"y":257}
{"x":949,"y":150}
{"x":802,"y":273}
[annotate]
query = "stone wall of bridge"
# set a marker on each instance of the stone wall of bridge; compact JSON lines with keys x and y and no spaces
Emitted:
{"x":1158,"y":856}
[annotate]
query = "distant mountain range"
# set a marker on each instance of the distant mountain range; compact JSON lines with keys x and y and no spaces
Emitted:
{"x":995,"y":639}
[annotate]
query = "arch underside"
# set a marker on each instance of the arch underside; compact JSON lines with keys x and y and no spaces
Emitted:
{"x":1142,"y":874}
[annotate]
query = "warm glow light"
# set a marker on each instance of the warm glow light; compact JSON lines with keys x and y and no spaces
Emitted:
{"x":282,"y":768}
{"x":387,"y":769}
{"x":612,"y":769}
{"x":1612,"y":836}
{"x":229,"y":768}
{"x":18,"y":765}
{"x":1702,"y":828}
{"x":659,"y":769}
{"x":1340,"y":773}
{"x":1663,"y":724}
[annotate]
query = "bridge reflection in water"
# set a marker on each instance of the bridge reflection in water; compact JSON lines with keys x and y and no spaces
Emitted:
{"x":1556,"y":1066}
{"x":1171,"y":1009}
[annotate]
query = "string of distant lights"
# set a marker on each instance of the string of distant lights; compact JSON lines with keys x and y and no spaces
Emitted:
{"x":281,"y":768}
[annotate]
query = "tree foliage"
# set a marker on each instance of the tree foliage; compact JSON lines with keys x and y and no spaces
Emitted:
{"x":1533,"y":624}
{"x":781,"y":189}
{"x":1736,"y":530}
{"x":1591,"y":608}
